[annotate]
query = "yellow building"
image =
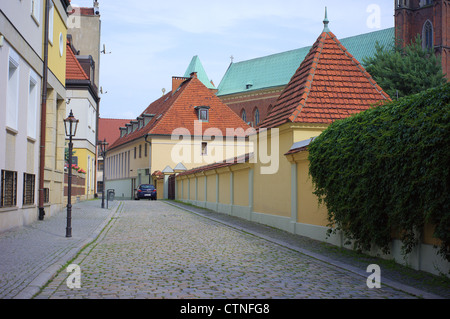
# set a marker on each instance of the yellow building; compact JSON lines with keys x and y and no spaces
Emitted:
{"x":185,"y":128}
{"x":273,"y":186}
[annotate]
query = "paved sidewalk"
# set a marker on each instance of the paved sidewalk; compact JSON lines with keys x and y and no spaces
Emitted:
{"x":31,"y":255}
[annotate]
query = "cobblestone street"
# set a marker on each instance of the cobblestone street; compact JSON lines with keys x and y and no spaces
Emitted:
{"x":155,"y":250}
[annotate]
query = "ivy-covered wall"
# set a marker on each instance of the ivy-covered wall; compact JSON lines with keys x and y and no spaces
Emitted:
{"x":386,"y":171}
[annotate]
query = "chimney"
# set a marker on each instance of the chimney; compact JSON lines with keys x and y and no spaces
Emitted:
{"x":176,"y":82}
{"x":193,"y":75}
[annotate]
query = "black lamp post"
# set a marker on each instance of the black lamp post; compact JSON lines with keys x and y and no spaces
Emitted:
{"x":70,"y":125}
{"x":103,"y":144}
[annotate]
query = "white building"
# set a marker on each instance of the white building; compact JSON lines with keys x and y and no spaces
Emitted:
{"x":21,"y":67}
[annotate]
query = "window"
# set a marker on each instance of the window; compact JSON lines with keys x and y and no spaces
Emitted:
{"x":50,"y":22}
{"x":28,"y":188}
{"x":140,"y":151}
{"x":9,"y":189}
{"x":135,"y":152}
{"x":32,"y":106}
{"x":12,"y":107}
{"x":427,"y":35}
{"x":203,"y":113}
{"x":46,"y":195}
{"x":256,"y":117}
{"x":145,"y":150}
{"x":36,"y":10}
{"x":244,"y":115}
{"x":204,"y":148}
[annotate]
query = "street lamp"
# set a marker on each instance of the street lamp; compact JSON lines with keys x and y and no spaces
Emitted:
{"x":70,"y":125}
{"x":103,"y":144}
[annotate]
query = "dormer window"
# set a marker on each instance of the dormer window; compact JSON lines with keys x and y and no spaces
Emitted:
{"x":203,"y":113}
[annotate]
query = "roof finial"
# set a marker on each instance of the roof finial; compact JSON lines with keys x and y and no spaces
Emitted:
{"x":325,"y":22}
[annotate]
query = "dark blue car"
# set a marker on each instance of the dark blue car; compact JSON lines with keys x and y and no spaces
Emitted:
{"x":145,"y":191}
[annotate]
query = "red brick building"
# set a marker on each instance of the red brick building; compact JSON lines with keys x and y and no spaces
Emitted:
{"x":431,"y":20}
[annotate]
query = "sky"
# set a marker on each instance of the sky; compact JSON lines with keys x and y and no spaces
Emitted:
{"x":148,"y":42}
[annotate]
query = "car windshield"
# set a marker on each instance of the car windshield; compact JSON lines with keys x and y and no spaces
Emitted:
{"x":146,"y":187}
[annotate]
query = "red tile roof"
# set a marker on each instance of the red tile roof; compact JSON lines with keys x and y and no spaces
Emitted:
{"x":177,"y":110}
{"x":74,"y":71}
{"x":109,"y":129}
{"x":330,"y":84}
{"x":236,"y":160}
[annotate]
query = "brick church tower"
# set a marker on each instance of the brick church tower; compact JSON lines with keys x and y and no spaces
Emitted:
{"x":431,"y":20}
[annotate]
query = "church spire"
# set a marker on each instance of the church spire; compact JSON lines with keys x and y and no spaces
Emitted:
{"x":325,"y":22}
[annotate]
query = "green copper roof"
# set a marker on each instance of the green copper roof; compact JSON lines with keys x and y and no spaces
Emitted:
{"x":196,"y":66}
{"x":277,"y":69}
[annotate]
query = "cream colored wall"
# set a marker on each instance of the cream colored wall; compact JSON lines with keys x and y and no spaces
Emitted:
{"x":308,"y":209}
{"x":224,"y":186}
{"x":240,"y":187}
{"x":168,"y":152}
{"x":270,"y":189}
{"x":201,"y":188}
{"x":211,"y":181}
{"x":160,"y":189}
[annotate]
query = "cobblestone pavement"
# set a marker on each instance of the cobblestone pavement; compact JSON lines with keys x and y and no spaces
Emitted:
{"x":31,"y":255}
{"x":156,"y":250}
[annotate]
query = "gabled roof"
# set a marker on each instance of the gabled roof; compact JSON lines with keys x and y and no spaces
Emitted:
{"x":74,"y":71}
{"x":277,"y":69}
{"x":177,"y":109}
{"x":330,"y":84}
{"x":108,"y":129}
{"x":196,"y":66}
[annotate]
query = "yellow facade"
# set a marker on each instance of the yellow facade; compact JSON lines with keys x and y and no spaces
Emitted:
{"x":86,"y":161}
{"x":57,"y":42}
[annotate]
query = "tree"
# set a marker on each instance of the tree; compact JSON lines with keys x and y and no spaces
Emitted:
{"x":405,"y":71}
{"x":385,"y":171}
{"x":66,"y":154}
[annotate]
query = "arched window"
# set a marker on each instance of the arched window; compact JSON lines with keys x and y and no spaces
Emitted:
{"x":427,"y":35}
{"x":243,"y":115}
{"x":256,"y":117}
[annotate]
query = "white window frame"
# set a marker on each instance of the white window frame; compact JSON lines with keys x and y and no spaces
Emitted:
{"x":36,"y":10}
{"x":51,"y":19}
{"x":12,"y":108}
{"x":33,"y":103}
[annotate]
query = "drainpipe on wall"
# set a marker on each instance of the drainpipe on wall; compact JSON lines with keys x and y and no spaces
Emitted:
{"x":43,"y":114}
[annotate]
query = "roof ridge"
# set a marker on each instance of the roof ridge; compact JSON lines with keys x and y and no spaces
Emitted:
{"x":72,"y":56}
{"x":164,"y":113}
{"x":359,"y":66}
{"x":330,"y":84}
{"x":315,"y":61}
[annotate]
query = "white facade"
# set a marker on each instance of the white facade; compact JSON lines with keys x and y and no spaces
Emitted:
{"x":84,"y":108}
{"x":20,"y":99}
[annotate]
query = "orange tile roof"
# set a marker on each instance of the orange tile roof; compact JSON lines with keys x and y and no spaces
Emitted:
{"x":109,"y":129}
{"x":74,"y":71}
{"x":229,"y":162}
{"x":177,"y":110}
{"x":330,"y":84}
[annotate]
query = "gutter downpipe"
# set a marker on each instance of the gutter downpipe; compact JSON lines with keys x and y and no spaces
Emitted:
{"x":43,"y":114}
